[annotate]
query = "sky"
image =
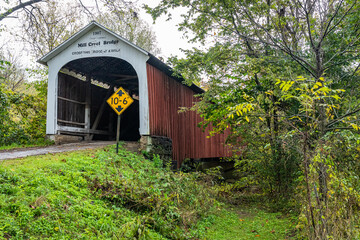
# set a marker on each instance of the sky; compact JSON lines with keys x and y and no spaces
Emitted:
{"x":169,"y":39}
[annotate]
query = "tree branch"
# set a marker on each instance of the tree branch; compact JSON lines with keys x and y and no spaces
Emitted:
{"x":329,"y":23}
{"x":338,"y":22}
{"x":18,"y":7}
{"x":343,"y":116}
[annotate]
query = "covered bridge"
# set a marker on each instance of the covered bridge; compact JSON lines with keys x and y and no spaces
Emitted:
{"x":85,"y":70}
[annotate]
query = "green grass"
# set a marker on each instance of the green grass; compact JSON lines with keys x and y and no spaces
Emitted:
{"x":97,"y":194}
{"x":39,"y":143}
{"x":249,"y":222}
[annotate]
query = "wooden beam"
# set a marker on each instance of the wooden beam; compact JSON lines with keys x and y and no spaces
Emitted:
{"x":70,"y":122}
{"x":88,"y":105}
{"x":81,"y":130}
{"x":122,"y":83}
{"x":112,"y":75}
{"x":126,"y":78}
{"x":70,"y":100}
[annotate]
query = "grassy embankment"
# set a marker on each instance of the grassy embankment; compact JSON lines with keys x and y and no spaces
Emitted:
{"x":96,"y":194}
{"x":39,"y":143}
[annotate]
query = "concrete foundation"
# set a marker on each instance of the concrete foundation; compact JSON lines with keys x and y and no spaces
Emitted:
{"x":62,"y":139}
{"x":158,"y":146}
{"x":145,"y":143}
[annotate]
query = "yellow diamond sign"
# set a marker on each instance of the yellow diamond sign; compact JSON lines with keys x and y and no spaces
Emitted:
{"x":120,"y":100}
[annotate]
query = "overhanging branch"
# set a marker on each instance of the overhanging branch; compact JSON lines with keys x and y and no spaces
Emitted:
{"x":18,"y":7}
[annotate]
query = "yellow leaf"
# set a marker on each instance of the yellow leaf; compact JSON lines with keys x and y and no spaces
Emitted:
{"x":282,"y":85}
{"x":247,"y":119}
{"x":261,"y":119}
{"x":336,"y":97}
{"x":300,"y":78}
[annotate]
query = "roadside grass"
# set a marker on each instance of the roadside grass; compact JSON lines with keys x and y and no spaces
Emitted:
{"x":38,"y":143}
{"x":97,"y":194}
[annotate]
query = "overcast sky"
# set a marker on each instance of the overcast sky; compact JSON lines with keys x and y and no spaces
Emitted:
{"x":170,"y":40}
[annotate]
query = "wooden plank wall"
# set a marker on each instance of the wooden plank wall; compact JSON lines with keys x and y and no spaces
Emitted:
{"x":166,"y":96}
{"x":72,"y":88}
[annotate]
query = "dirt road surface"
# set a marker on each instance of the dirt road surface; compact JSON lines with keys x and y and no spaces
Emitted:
{"x":25,"y":152}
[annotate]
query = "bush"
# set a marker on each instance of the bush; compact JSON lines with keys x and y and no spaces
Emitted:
{"x":23,"y":116}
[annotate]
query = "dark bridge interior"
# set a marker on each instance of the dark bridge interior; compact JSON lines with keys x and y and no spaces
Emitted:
{"x":84,"y":86}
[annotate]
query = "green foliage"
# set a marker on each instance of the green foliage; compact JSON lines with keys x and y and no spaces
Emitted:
{"x":23,"y":117}
{"x":98,"y":195}
{"x":342,"y":195}
{"x":282,"y":76}
{"x":157,"y":161}
{"x":9,"y":131}
{"x":253,"y":114}
{"x":330,"y":191}
{"x":23,"y":113}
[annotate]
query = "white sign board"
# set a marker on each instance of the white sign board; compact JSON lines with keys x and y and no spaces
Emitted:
{"x":97,"y":42}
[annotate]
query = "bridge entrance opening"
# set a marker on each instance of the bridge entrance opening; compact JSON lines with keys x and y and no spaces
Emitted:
{"x":84,"y":85}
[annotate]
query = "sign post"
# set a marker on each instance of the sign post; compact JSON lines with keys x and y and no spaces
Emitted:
{"x":117,"y":134}
{"x":119,"y":101}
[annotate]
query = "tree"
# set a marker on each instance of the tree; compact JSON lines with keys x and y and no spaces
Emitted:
{"x":12,"y":76}
{"x":45,"y":27}
{"x":131,"y":27}
{"x":288,"y":69}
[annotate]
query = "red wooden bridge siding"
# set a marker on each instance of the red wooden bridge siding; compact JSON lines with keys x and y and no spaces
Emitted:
{"x":166,"y":96}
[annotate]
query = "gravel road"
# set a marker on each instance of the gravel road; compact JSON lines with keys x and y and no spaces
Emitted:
{"x":25,"y":152}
